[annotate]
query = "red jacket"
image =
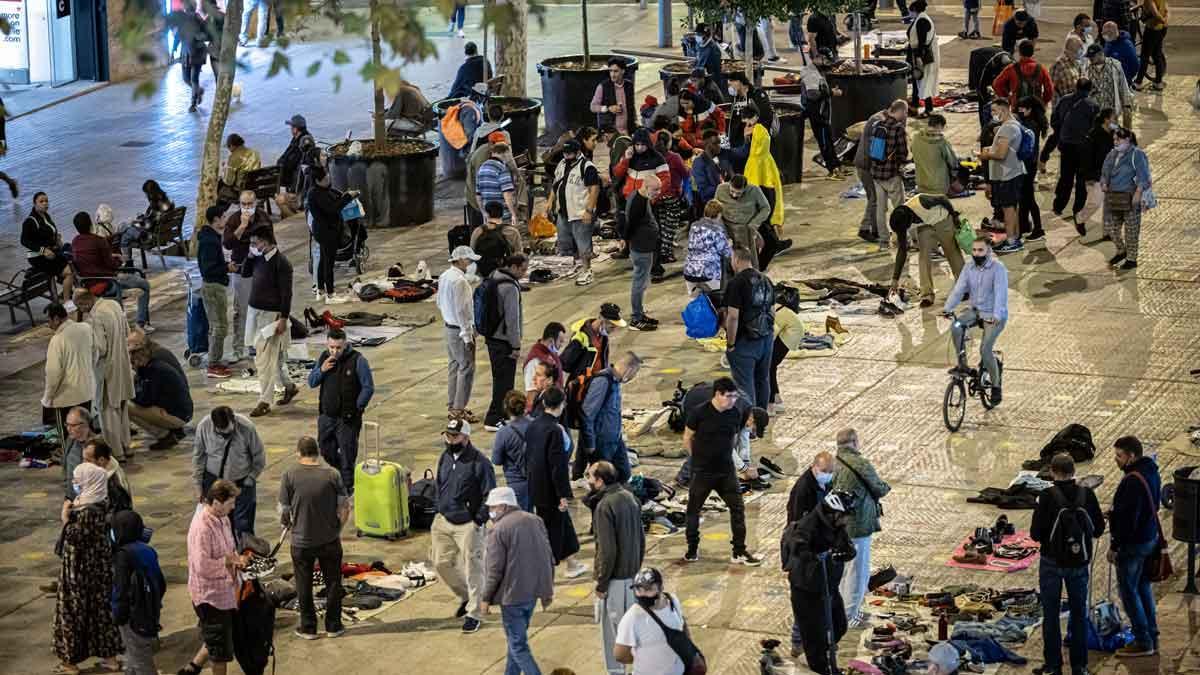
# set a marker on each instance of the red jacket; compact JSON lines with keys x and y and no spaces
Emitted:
{"x":1007,"y":83}
{"x":635,"y":171}
{"x":93,"y":256}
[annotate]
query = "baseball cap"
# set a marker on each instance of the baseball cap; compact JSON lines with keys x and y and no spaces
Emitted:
{"x":297,"y":121}
{"x":571,"y":146}
{"x":497,"y":137}
{"x":944,"y":656}
{"x":458,"y":426}
{"x":463,"y":253}
{"x":612,"y":312}
{"x":502,"y":496}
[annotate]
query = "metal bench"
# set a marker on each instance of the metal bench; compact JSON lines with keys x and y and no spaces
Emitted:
{"x":166,"y":232}
{"x":264,"y":183}
{"x":24,"y":286}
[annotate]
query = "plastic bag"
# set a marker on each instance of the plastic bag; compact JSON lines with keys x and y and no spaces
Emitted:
{"x":965,"y":235}
{"x":540,"y":227}
{"x":1149,"y":200}
{"x":700,"y":318}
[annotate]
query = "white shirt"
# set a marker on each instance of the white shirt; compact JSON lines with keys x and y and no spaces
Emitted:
{"x":456,"y":302}
{"x":651,"y":653}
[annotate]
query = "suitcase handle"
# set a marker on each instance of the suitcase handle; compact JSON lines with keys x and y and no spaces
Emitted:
{"x":378,"y":454}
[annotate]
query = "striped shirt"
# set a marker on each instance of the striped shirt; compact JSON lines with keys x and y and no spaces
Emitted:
{"x":492,"y":181}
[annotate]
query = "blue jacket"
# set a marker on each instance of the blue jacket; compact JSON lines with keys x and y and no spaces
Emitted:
{"x":362,"y":369}
{"x":601,"y":428}
{"x":508,"y":449}
{"x":470,"y":73}
{"x":463,"y":486}
{"x":705,"y":178}
{"x":210,"y":257}
{"x":1125,"y":173}
{"x":130,"y":554}
{"x":1132,"y":521}
{"x":988,"y":286}
{"x":1122,"y":49}
{"x":708,"y":57}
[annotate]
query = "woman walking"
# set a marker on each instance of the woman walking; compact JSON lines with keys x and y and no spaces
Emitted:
{"x":83,"y":620}
{"x":1125,"y":178}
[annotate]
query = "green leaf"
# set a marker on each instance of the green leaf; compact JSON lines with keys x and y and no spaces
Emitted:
{"x":340,"y":58}
{"x":279,"y":61}
{"x":337,"y":83}
{"x":145,"y":89}
{"x":313,"y":68}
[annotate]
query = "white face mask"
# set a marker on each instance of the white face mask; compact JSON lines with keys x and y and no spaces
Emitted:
{"x":732,"y":91}
{"x":494,"y":515}
{"x":248,"y":210}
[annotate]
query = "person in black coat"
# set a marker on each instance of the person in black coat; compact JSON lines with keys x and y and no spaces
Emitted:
{"x":324,"y":205}
{"x":811,"y":488}
{"x":546,"y":463}
{"x":43,"y":245}
{"x":814,"y":551}
{"x":474,"y":69}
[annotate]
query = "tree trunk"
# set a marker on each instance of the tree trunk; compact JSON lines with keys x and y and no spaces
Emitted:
{"x":377,"y":122}
{"x":748,"y":51}
{"x":511,"y":49}
{"x":226,"y":68}
{"x":587,"y":47}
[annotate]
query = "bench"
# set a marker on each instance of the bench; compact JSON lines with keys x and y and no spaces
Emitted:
{"x":112,"y":287}
{"x":24,"y":286}
{"x":264,"y":183}
{"x":166,"y":232}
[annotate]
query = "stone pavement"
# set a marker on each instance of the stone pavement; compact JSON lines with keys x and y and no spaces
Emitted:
{"x":1084,"y":344}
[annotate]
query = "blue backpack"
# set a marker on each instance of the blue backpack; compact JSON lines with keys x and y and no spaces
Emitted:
{"x":877,"y":149}
{"x":1026,"y":152}
{"x":700,"y":318}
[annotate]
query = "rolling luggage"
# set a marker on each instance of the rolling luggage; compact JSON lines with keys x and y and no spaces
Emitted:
{"x":380,"y":494}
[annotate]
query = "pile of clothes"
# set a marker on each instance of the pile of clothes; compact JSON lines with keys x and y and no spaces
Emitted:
{"x":366,"y":586}
{"x":32,"y":449}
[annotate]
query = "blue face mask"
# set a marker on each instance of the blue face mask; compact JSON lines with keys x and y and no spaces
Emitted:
{"x":824,"y":479}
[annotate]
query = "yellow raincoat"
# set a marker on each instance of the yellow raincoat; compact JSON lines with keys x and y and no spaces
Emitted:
{"x":762,"y":171}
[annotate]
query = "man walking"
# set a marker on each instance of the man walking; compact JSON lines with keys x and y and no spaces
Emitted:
{"x":858,"y":477}
{"x":268,"y":321}
{"x":1110,"y":89}
{"x":214,"y":289}
{"x":708,"y":438}
{"x":520,"y":571}
{"x":601,"y":432}
{"x":456,"y":303}
{"x":502,"y":332}
{"x":640,"y":235}
{"x":547,"y":452}
{"x":1066,"y":522}
{"x":114,"y":372}
{"x":1005,"y":172}
{"x":346,"y":384}
{"x":1072,"y":121}
{"x":750,"y":329}
{"x":228,"y":447}
{"x":70,"y":378}
{"x":885,"y":164}
{"x":240,"y":220}
{"x":314,"y":505}
{"x":1136,"y":535}
{"x":464,"y":478}
{"x":620,"y":547}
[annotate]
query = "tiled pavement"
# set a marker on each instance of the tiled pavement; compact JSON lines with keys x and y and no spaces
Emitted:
{"x":1084,"y":344}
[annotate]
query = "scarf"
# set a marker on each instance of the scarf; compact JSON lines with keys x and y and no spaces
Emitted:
{"x":93,"y":485}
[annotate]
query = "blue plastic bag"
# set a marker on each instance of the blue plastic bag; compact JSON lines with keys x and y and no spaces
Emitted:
{"x":1103,"y":643}
{"x":700,"y":318}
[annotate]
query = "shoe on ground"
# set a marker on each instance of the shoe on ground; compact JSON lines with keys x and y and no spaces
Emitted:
{"x":745,"y":558}
{"x":260,"y":410}
{"x":1037,"y":235}
{"x":471,"y":625}
{"x":1080,"y":226}
{"x":779,"y":405}
{"x":290,"y":392}
{"x":336,"y":299}
{"x":493,"y":427}
{"x":784,"y":244}
{"x":306,"y":636}
{"x":576,"y":569}
{"x":997,"y":397}
{"x":461,"y":611}
{"x":1129,"y":265}
{"x":146,"y":328}
{"x":975,"y":35}
{"x":585,"y":279}
{"x":460,"y":33}
{"x":658,"y":278}
{"x":692,"y":555}
{"x":1010,"y":246}
{"x":468,"y":416}
{"x":1134,"y":649}
{"x":867,"y":235}
{"x":316,"y":292}
{"x":649,"y":319}
{"x":1158,"y":86}
{"x":926,"y":303}
{"x":1116,"y":259}
{"x":962,"y":35}
{"x":164,"y":443}
{"x":218,"y":372}
{"x":642,"y":325}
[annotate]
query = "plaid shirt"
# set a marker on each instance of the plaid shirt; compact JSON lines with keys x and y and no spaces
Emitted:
{"x":209,"y":540}
{"x":1064,"y":73}
{"x":896,"y":150}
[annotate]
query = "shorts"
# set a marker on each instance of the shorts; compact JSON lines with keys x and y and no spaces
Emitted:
{"x":574,"y":238}
{"x":216,"y":630}
{"x":1007,"y":193}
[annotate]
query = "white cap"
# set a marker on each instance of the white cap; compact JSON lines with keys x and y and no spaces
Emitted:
{"x":463,"y":253}
{"x":944,"y":656}
{"x":502,"y":496}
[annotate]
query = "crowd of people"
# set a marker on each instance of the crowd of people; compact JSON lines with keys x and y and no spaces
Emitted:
{"x":665,"y":179}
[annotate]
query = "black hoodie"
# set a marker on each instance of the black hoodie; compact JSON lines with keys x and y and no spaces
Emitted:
{"x":138,"y":583}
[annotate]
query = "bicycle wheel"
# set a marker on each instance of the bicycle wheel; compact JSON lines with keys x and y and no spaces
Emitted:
{"x":954,"y":404}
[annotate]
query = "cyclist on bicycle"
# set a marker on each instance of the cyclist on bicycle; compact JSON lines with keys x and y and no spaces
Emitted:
{"x":985,"y":284}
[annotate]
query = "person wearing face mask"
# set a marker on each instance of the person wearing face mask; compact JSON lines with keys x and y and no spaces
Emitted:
{"x":857,"y":476}
{"x":464,"y":478}
{"x":1135,"y":535}
{"x":120,"y":495}
{"x":547,"y":459}
{"x":241,"y":219}
{"x":640,"y":638}
{"x":227,"y":447}
{"x":1110,"y":89}
{"x":1099,"y":144}
{"x":746,"y":95}
{"x":1064,"y":73}
{"x":520,"y":571}
{"x":601,"y":434}
{"x":1071,"y":122}
{"x":267,"y":319}
{"x":813,"y":553}
{"x":1083,"y":28}
{"x":1124,"y":179}
{"x":1118,"y":45}
{"x":1006,"y":172}
{"x":620,"y":547}
{"x":985,"y":283}
{"x":934,"y":157}
{"x":546,"y":350}
{"x":587,"y":348}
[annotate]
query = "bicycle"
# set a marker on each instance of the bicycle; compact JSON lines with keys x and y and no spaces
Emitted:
{"x":966,"y":382}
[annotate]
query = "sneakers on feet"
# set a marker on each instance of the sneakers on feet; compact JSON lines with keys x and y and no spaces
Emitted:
{"x":584,"y":278}
{"x":289,"y":392}
{"x":1135,"y":649}
{"x":218,"y":372}
{"x":260,"y":410}
{"x":1010,"y":246}
{"x":745,"y":558}
{"x":335,"y":633}
{"x":165,"y":443}
{"x":642,"y":324}
{"x":1036,"y":236}
{"x":576,"y":569}
{"x":493,"y":427}
{"x":461,"y":611}
{"x":1116,"y":259}
{"x":1080,"y":226}
{"x":146,"y":328}
{"x":692,"y":555}
{"x":1129,"y":265}
{"x":306,"y":636}
{"x":471,"y":625}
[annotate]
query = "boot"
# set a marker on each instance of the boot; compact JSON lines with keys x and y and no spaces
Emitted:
{"x":834,"y":325}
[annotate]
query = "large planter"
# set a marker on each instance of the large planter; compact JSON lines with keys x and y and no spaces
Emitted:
{"x":522,"y":114}
{"x":787,"y":146}
{"x":1185,"y":513}
{"x":395,"y":187}
{"x":567,"y":89}
{"x":679,"y":71}
{"x":866,"y":94}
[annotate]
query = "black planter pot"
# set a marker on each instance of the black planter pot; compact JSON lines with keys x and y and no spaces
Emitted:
{"x":787,"y":146}
{"x":395,"y":191}
{"x":523,"y":125}
{"x":680,"y":73}
{"x":866,"y":94}
{"x":567,"y":93}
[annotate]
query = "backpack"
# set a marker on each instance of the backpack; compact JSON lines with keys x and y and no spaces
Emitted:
{"x":577,"y":389}
{"x":145,"y":604}
{"x":492,"y":248}
{"x":1073,"y":439}
{"x":422,"y":502}
{"x":759,"y":321}
{"x":452,"y":126}
{"x":487,"y":301}
{"x":254,"y":628}
{"x":700,"y":317}
{"x":1028,"y":86}
{"x":1027,"y":150}
{"x":877,"y":146}
{"x":1070,"y":542}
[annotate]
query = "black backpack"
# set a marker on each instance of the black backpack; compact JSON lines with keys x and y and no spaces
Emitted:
{"x":1070,"y":542}
{"x":1075,"y":440}
{"x":145,"y":604}
{"x":492,"y":248}
{"x":422,"y":502}
{"x":487,"y":305}
{"x":758,"y":320}
{"x":254,"y":630}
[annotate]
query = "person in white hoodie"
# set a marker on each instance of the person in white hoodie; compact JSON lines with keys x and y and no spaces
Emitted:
{"x":70,"y":373}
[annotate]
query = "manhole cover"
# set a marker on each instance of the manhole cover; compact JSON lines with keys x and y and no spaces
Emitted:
{"x":136,"y":144}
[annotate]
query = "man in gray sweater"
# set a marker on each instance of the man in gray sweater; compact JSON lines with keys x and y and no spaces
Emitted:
{"x":620,"y":546}
{"x":502,"y":332}
{"x":744,"y":208}
{"x":228,"y":446}
{"x":520,"y":571}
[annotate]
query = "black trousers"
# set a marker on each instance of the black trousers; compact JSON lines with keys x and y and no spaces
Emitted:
{"x":330,"y":557}
{"x":824,"y":135}
{"x":1049,"y":146}
{"x":191,"y":75}
{"x":338,"y":439}
{"x":767,"y":230}
{"x":1029,"y":214}
{"x":726,"y":486}
{"x":779,"y":352}
{"x":504,"y":373}
{"x":808,"y":611}
{"x":1070,"y":177}
{"x":1152,"y":50}
{"x":329,"y":248}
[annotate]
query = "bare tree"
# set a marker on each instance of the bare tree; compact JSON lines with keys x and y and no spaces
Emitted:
{"x":226,"y":65}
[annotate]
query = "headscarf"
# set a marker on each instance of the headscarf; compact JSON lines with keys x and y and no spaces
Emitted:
{"x":762,"y":171}
{"x":93,"y":485}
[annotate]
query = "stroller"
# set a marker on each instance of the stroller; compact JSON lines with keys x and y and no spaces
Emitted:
{"x":352,"y":250}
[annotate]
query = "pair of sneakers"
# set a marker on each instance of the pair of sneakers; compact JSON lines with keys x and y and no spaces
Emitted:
{"x":646,"y":323}
{"x":742,"y":557}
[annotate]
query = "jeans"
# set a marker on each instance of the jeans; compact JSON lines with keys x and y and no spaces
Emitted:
{"x":1051,"y":579}
{"x":779,"y":352}
{"x":726,"y":487}
{"x":1152,"y":50}
{"x":987,"y":345}
{"x":641,"y":280}
{"x":1137,"y":596}
{"x":338,"y":439}
{"x":504,"y":374}
{"x":330,"y":557}
{"x":750,"y":363}
{"x":249,"y":8}
{"x":241,"y":304}
{"x":1070,"y":177}
{"x":616,"y":602}
{"x":970,"y":16}
{"x":457,"y":18}
{"x":868,"y":223}
{"x":460,"y":373}
{"x":326,"y":259}
{"x":516,"y":628}
{"x":854,"y":584}
{"x":216,"y":305}
{"x":824,"y":137}
{"x":1029,"y":213}
{"x":125,"y":281}
{"x":245,"y":507}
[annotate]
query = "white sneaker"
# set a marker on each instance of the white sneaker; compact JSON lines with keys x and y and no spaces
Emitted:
{"x":316,"y":292}
{"x":336,"y":299}
{"x":779,"y":405}
{"x":576,"y":569}
{"x":147,"y":328}
{"x":584,"y":278}
{"x":461,"y":33}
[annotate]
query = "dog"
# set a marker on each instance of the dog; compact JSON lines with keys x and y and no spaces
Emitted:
{"x":235,"y":93}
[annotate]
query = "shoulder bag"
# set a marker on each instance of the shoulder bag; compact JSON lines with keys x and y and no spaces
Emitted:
{"x":878,"y":498}
{"x":681,"y":643}
{"x":1158,"y":564}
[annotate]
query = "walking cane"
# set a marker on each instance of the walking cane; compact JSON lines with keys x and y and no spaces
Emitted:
{"x":830,"y":643}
